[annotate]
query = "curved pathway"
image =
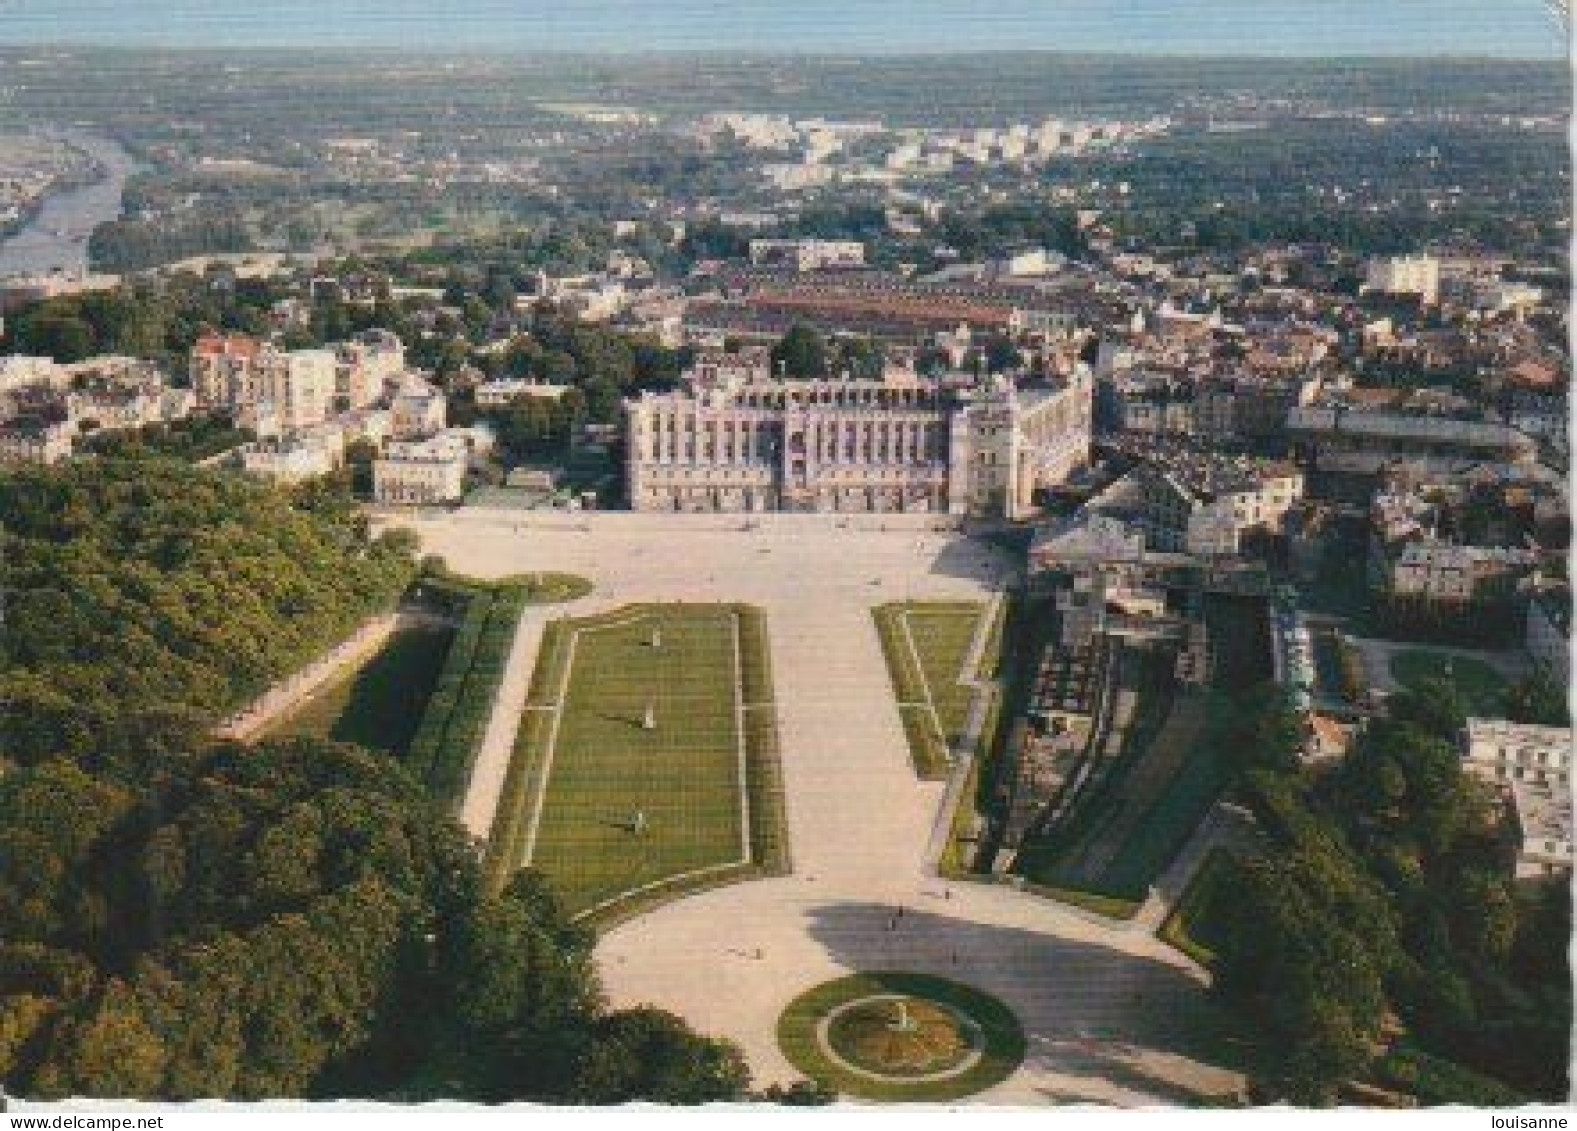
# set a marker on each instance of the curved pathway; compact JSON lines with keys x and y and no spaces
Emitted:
{"x":1113,"y":1015}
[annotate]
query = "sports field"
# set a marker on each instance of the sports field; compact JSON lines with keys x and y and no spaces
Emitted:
{"x":927,"y":648}
{"x":639,"y":753}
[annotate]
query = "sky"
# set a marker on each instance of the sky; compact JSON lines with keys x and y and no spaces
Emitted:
{"x":1312,"y":28}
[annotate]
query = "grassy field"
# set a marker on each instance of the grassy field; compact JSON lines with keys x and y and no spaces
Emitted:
{"x":380,"y":703}
{"x":927,"y":645}
{"x":1190,"y":927}
{"x":706,"y":785}
{"x":1482,"y":688}
{"x":1133,"y":823}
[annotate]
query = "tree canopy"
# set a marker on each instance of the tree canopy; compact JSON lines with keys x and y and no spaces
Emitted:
{"x":183,"y":918}
{"x":1382,"y":891}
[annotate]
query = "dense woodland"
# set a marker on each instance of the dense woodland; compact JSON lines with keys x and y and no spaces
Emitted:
{"x":181,"y":919}
{"x":1382,"y":903}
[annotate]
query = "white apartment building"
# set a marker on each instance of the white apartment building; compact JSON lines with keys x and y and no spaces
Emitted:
{"x":302,"y":384}
{"x":1544,"y":830}
{"x":1406,"y":275}
{"x":422,"y":472}
{"x":237,"y":372}
{"x":291,"y":389}
{"x":808,"y":255}
{"x":308,"y":454}
{"x":418,"y":409}
{"x":1500,"y":751}
{"x":365,"y":366}
{"x":1531,"y":766}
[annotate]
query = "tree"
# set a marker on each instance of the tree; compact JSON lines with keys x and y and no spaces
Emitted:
{"x":801,"y":354}
{"x":1304,"y":949}
{"x":110,"y":1050}
{"x":1538,"y":700}
{"x":650,"y":1054}
{"x":58,"y":334}
{"x":1432,"y":704}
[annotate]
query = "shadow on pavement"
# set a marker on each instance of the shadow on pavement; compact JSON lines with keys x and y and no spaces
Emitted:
{"x":969,"y":558}
{"x":1091,"y":1011}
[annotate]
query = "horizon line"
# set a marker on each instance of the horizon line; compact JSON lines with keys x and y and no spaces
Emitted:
{"x":797,"y":55}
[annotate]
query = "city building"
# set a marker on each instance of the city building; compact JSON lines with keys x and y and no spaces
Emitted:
{"x":901,"y":444}
{"x":20,"y":372}
{"x":890,"y":307}
{"x":45,"y":408}
{"x":807,"y":255}
{"x":292,"y":389}
{"x":1203,"y":503}
{"x":364,"y":368}
{"x":234,"y":372}
{"x":421,"y":472}
{"x":418,"y":408}
{"x":303,"y":455}
{"x":1406,"y":275}
{"x":506,"y":391}
{"x":1440,"y":573}
{"x":1337,"y":438}
{"x":1543,"y":815}
{"x":1531,"y":767}
{"x":1500,"y":751}
{"x":36,"y":440}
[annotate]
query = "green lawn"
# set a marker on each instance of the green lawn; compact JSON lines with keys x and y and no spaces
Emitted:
{"x":1191,"y":926}
{"x":926,"y":645}
{"x":1482,"y":688}
{"x":1002,"y":1039}
{"x":1169,"y":817}
{"x":596,"y":678}
{"x":380,"y":703}
{"x":1174,"y":815}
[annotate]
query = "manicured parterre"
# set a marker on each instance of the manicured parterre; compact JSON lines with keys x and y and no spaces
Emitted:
{"x":646,"y":758}
{"x":927,"y":646}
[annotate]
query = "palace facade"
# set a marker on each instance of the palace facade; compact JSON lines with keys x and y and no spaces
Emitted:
{"x":903,"y":444}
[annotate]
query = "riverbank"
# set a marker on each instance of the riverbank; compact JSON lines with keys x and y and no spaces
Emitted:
{"x":54,"y":239}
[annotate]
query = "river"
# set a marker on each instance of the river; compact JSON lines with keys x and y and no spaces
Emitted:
{"x":57,"y":237}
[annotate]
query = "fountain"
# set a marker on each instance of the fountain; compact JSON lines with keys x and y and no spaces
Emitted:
{"x":904,"y":1022}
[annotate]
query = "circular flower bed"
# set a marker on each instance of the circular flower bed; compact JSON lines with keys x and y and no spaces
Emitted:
{"x":894,"y":1035}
